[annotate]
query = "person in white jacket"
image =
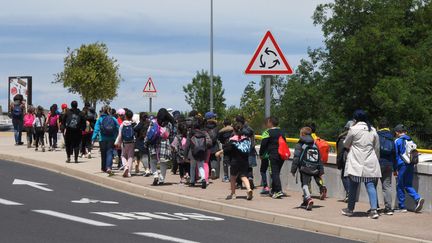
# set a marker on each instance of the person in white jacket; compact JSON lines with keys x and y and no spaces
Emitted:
{"x":362,"y":165}
{"x":126,"y":139}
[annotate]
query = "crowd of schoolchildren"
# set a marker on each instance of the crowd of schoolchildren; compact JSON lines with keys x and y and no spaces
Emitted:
{"x":197,"y":147}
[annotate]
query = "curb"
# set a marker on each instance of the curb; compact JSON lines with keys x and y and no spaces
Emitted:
{"x":220,"y":208}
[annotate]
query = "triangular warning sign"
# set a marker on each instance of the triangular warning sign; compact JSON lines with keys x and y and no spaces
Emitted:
{"x":149,"y":87}
{"x":268,"y":59}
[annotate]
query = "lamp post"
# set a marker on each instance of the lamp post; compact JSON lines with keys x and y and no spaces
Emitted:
{"x":211,"y":57}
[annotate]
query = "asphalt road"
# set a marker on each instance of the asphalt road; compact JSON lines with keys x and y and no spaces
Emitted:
{"x":64,"y":209}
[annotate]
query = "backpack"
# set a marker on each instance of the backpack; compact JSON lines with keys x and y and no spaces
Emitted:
{"x":40,"y":126}
{"x":73,"y":121}
{"x":108,"y":126}
{"x":386,"y":145}
{"x":52,"y":121}
{"x":17,"y":112}
{"x":411,"y":155}
{"x":128,"y":134}
{"x":153,"y":132}
{"x":244,"y":146}
{"x":213,"y":136}
{"x":310,"y":159}
{"x":181,"y":148}
{"x":324,"y":149}
{"x":198,"y":145}
{"x":283,"y":149}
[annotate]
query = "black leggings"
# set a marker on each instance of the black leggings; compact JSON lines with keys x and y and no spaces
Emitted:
{"x":72,"y":142}
{"x":52,"y":136}
{"x":40,"y":138}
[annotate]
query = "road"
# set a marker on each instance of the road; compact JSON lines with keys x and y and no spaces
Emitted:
{"x":59,"y":208}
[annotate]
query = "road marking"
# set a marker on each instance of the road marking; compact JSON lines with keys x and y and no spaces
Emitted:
{"x":87,"y":201}
{"x":72,"y":218}
{"x":33,"y":184}
{"x":9,"y":203}
{"x":158,"y":215}
{"x":164,"y":237}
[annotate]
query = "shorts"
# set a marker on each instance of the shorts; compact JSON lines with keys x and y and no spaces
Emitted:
{"x":239,"y":170}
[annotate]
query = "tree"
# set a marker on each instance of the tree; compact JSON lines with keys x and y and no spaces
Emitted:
{"x":197,"y":93}
{"x":91,"y":73}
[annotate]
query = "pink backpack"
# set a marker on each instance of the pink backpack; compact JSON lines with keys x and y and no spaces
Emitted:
{"x":52,"y":122}
{"x":28,"y":120}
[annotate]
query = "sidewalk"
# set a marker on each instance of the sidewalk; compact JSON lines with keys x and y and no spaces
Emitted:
{"x":325,"y":217}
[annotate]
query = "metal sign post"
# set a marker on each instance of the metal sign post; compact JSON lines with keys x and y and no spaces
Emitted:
{"x":268,"y":60}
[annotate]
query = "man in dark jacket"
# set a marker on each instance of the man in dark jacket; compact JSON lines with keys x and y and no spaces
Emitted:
{"x":270,"y":146}
{"x":212,"y":129}
{"x":341,"y":157}
{"x":75,"y":124}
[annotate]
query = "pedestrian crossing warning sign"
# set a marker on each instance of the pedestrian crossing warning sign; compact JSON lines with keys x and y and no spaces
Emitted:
{"x":150,"y":88}
{"x":268,"y":59}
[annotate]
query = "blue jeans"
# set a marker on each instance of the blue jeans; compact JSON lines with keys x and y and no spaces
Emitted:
{"x":370,"y":187}
{"x":404,"y":184}
{"x":106,"y":148}
{"x":18,"y":127}
{"x":193,"y":165}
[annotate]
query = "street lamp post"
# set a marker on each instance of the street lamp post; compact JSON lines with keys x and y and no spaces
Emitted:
{"x":211,"y":57}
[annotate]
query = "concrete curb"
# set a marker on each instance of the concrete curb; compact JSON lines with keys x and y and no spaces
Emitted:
{"x":221,"y":208}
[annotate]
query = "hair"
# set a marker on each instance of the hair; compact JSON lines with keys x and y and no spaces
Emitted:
{"x":312,"y":126}
{"x":87,"y":104}
{"x":273,"y":120}
{"x":39,"y":111}
{"x":129,"y":115}
{"x":361,"y":116}
{"x":164,"y":117}
{"x":106,"y":109}
{"x":198,"y":122}
{"x":305,"y":131}
{"x":182,"y":129}
{"x":383,"y":123}
{"x":74,"y":104}
{"x":30,"y":109}
{"x":193,"y":113}
{"x":53,"y":109}
{"x":238,"y":128}
{"x":240,"y":119}
{"x":113,"y":111}
{"x":227,"y":122}
{"x":143,"y":116}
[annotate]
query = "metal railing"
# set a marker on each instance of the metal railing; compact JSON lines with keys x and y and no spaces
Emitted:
{"x":333,"y":144}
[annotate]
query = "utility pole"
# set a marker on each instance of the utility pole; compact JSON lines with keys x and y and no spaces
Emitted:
{"x":267,"y":93}
{"x":211,"y":57}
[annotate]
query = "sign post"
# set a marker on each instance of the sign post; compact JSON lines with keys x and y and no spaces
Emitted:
{"x":150,"y":92}
{"x":268,"y":60}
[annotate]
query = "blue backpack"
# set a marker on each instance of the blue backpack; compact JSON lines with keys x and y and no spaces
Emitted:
{"x":153,"y":132}
{"x":128,"y":134}
{"x":386,"y":145}
{"x":17,"y":112}
{"x":108,"y":126}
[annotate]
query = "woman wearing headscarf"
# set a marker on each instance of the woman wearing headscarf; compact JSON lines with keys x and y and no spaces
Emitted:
{"x":362,"y":164}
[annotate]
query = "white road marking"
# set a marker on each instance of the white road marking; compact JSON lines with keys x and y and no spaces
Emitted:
{"x":164,"y":237}
{"x":87,"y":201}
{"x":158,"y":215}
{"x":72,"y":218}
{"x":9,"y":203}
{"x":33,"y":184}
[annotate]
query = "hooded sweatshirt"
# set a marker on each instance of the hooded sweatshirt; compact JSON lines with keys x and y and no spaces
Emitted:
{"x":400,"y":149}
{"x":97,"y":130}
{"x":308,"y":140}
{"x":270,"y":144}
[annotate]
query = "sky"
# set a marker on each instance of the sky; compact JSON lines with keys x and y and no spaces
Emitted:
{"x":167,"y":40}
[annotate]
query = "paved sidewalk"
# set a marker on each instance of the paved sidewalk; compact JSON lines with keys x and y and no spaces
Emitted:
{"x":325,"y":216}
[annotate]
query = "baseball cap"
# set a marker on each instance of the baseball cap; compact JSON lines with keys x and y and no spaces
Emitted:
{"x":64,"y":106}
{"x":209,"y":115}
{"x":400,"y":128}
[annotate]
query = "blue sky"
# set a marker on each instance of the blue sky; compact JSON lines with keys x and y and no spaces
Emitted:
{"x":165,"y":39}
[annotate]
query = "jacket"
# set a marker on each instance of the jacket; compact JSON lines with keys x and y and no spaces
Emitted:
{"x":212,"y":130}
{"x":400,"y":149}
{"x":296,"y":164}
{"x":97,"y":130}
{"x":236,"y":157}
{"x":386,"y":159}
{"x":270,"y":143}
{"x":363,"y":155}
{"x":341,"y":151}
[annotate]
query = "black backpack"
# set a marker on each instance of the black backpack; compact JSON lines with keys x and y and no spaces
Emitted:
{"x":310,"y":159}
{"x":198,"y":146}
{"x":73,"y":121}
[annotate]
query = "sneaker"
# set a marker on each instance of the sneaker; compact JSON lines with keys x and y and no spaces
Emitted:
{"x":401,"y":210}
{"x":249,"y":195}
{"x":265,"y":191}
{"x":89,"y":156}
{"x":213,"y":174}
{"x":126,"y":173}
{"x":231,"y":197}
{"x":76,"y":161}
{"x":373,"y":214}
{"x":347,"y":212}
{"x":419,"y":205}
{"x":277,"y":195}
{"x":155,"y":181}
{"x":203,"y":184}
{"x":225,"y":179}
{"x":110,"y":173}
{"x":20,"y":143}
{"x":304,"y":204}
{"x":388,"y":211}
{"x":161,"y":182}
{"x":323,"y":193}
{"x":68,"y":160}
{"x":309,"y":204}
{"x":81,"y":155}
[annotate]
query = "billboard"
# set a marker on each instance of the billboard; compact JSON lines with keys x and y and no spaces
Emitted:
{"x":20,"y":85}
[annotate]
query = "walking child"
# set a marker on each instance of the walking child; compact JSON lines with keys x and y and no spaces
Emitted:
{"x":29,"y":118}
{"x":126,"y":140}
{"x":39,"y":127}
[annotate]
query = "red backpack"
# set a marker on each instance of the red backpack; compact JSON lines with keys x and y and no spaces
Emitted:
{"x":324,"y":149}
{"x":283,"y":150}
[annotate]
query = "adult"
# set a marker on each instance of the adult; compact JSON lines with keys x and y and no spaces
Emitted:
{"x":75,"y":124}
{"x":17,"y":113}
{"x":362,"y":165}
{"x":341,"y":157}
{"x":106,"y":130}
{"x":212,"y":129}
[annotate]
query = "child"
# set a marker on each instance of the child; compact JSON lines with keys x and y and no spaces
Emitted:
{"x":53,"y":127}
{"x":224,"y":135}
{"x":29,"y":118}
{"x":179,"y":149}
{"x":39,"y":127}
{"x":126,"y":139}
{"x":307,"y":161}
{"x":141,"y":150}
{"x":263,"y":171}
{"x":238,"y":149}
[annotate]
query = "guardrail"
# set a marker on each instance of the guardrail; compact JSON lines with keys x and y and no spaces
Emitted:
{"x":333,"y":144}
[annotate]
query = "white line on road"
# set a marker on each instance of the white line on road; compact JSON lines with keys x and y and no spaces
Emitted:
{"x":9,"y":203}
{"x":73,"y":218}
{"x":164,"y":237}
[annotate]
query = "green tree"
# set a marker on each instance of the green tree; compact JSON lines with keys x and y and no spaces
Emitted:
{"x":91,"y":73}
{"x":197,"y":93}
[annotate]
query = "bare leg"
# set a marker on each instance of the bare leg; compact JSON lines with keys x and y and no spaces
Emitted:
{"x":233,"y":184}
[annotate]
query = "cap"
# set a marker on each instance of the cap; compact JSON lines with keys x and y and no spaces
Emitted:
{"x":400,"y":128}
{"x":121,"y":112}
{"x":64,"y":106}
{"x":209,"y":115}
